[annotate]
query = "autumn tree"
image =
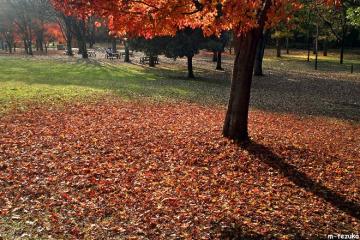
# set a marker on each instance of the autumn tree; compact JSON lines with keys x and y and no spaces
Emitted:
{"x":248,"y":19}
{"x":151,"y":47}
{"x":186,"y":43}
{"x":217,"y":44}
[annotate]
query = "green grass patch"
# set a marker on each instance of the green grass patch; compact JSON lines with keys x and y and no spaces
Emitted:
{"x":26,"y":79}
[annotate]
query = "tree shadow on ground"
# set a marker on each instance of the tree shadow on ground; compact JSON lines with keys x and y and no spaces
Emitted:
{"x":302,"y":180}
{"x":231,"y":229}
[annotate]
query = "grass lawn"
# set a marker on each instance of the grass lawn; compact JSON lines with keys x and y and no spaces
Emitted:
{"x":29,"y":79}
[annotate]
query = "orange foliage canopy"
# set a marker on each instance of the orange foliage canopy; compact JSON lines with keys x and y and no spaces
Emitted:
{"x":164,"y":17}
{"x":53,"y":32}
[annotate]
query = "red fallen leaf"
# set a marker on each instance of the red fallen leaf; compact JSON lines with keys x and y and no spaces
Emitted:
{"x":66,"y":196}
{"x":183,"y":187}
{"x":54,"y":217}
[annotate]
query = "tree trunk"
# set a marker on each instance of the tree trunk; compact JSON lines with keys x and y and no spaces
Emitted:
{"x":10,"y":47}
{"x":82,"y":39}
{"x":26,"y":47}
{"x":308,"y":41}
{"x":316,"y":46}
{"x":287,"y":46}
{"x":41,"y":45}
{"x":236,"y":120}
{"x":260,"y":51}
{"x":151,"y":61}
{"x":69,"y":46}
{"x":218,"y":62}
{"x":190,"y":67}
{"x":84,"y":53}
{"x":278,"y":48}
{"x":2,"y":45}
{"x":30,"y":47}
{"x":325,"y":53}
{"x":214,"y":56}
{"x":113,"y":43}
{"x":127,"y":52}
{"x":342,"y":49}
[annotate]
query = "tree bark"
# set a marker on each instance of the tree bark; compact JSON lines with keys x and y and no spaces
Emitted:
{"x":218,"y":62}
{"x":69,"y":45}
{"x":342,"y":48}
{"x":26,"y":47}
{"x":214,"y":56}
{"x":127,"y":52}
{"x":287,"y":46}
{"x":30,"y":47}
{"x":278,"y":48}
{"x":10,"y":47}
{"x":325,"y":48}
{"x":190,"y":67}
{"x":113,"y":43}
{"x":260,"y":51}
{"x":151,"y":61}
{"x":236,"y":120}
{"x":316,"y":46}
{"x":2,"y":45}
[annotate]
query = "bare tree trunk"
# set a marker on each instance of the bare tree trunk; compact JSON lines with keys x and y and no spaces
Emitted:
{"x":236,"y":120}
{"x":2,"y":45}
{"x":190,"y":67}
{"x":219,"y":61}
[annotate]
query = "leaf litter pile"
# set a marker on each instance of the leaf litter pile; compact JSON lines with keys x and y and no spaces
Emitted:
{"x":126,"y":170}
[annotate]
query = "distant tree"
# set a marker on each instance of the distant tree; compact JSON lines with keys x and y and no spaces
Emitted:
{"x":217,"y":46}
{"x":52,"y":33}
{"x":336,"y":18}
{"x":353,"y":16}
{"x":151,"y":47}
{"x":7,"y":28}
{"x":65,"y":23}
{"x":186,"y":43}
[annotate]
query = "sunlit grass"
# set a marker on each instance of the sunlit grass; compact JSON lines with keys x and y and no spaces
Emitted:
{"x":37,"y":80}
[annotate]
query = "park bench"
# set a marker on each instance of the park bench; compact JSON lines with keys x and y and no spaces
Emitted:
{"x":123,"y":53}
{"x":111,"y":55}
{"x":146,"y":59}
{"x":92,"y":53}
